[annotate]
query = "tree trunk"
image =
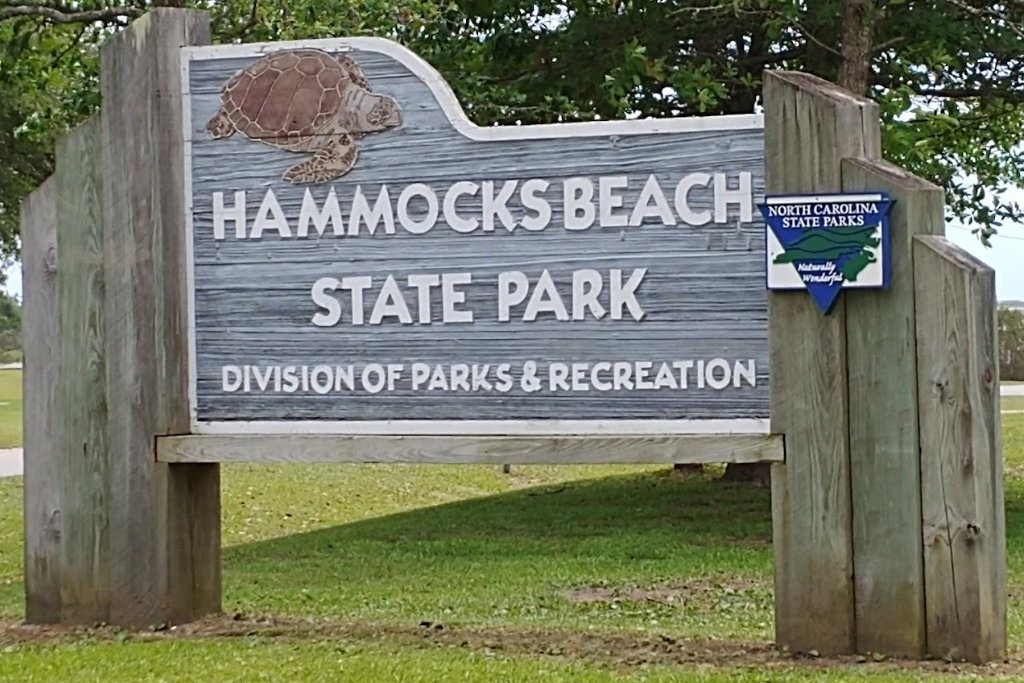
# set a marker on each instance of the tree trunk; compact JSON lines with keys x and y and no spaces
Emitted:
{"x":858,"y":41}
{"x":754,"y":474}
{"x":858,"y":45}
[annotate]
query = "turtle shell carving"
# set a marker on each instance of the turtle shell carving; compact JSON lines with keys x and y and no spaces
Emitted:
{"x":305,"y":100}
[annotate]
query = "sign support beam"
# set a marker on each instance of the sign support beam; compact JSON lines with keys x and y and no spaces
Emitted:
{"x":810,"y":126}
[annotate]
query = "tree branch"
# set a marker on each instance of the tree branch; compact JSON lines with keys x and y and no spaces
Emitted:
{"x":249,"y":25}
{"x":882,"y":47}
{"x":62,"y":15}
{"x":71,"y":46}
{"x":758,"y":60}
{"x":811,"y":37}
{"x":967,"y":93}
{"x":733,"y":8}
{"x":993,"y":13}
{"x":951,"y":92}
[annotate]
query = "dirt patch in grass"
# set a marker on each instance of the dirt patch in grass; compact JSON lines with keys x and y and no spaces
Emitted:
{"x":704,"y":594}
{"x":620,"y":650}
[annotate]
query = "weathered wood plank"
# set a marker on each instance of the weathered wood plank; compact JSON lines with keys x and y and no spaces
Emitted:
{"x":629,"y":449}
{"x":961,"y":453}
{"x":195,"y":529}
{"x":159,"y":515}
{"x":40,"y":382}
{"x":884,"y":447}
{"x":82,"y":405}
{"x":810,"y":126}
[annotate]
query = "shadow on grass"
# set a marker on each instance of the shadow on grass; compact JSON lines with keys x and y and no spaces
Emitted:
{"x":635,"y":511}
{"x":508,"y":559}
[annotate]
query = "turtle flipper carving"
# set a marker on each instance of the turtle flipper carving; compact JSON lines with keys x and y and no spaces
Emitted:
{"x":334,"y":158}
{"x":305,"y":100}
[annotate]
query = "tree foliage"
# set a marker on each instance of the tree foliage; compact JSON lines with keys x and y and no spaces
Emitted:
{"x":10,"y":325}
{"x":1011,"y":344}
{"x":48,"y":84}
{"x":948,"y":74}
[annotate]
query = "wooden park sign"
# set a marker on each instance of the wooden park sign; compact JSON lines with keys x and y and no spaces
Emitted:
{"x":366,"y":261}
{"x":305,"y":252}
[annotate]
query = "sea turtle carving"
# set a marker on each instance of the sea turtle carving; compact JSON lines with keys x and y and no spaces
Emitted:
{"x":305,"y":100}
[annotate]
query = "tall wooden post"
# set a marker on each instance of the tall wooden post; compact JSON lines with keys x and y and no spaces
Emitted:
{"x":885,"y":464}
{"x":810,"y":127}
{"x":165,"y":520}
{"x":139,"y":539}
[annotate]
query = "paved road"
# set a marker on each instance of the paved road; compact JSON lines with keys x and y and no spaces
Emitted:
{"x":10,"y":462}
{"x":11,"y":458}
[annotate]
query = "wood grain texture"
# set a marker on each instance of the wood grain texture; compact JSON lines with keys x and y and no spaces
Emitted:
{"x":40,"y":381}
{"x":194,"y":536}
{"x":884,"y":447}
{"x":627,"y":449}
{"x":164,"y":521}
{"x":810,"y":126}
{"x":82,"y":403}
{"x":703,"y":295}
{"x":961,"y":453}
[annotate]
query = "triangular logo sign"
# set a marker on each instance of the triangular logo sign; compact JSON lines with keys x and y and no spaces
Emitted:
{"x":826,"y":243}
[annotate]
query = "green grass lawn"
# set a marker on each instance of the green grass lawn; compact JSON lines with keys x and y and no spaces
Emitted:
{"x":1011,"y":402}
{"x":462,"y":573}
{"x":10,"y":408}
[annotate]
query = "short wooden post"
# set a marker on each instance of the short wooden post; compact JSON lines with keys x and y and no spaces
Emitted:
{"x":40,"y":381}
{"x":961,"y":453}
{"x":811,"y":125}
{"x":884,"y":445}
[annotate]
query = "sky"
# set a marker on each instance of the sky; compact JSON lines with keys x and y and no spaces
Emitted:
{"x":1006,"y":256}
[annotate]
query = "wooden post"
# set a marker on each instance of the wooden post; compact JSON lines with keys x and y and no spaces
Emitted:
{"x":84,"y":467}
{"x":961,"y":457}
{"x":164,"y":519}
{"x":40,"y":380}
{"x":139,"y":539}
{"x":811,"y":125}
{"x":884,"y":448}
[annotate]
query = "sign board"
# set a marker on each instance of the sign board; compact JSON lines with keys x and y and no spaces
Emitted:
{"x":827,"y":243}
{"x":364,"y":260}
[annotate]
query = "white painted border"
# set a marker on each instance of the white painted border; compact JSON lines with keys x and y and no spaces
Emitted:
{"x":491,"y":427}
{"x":190,"y":321}
{"x":821,"y":198}
{"x":460,"y":122}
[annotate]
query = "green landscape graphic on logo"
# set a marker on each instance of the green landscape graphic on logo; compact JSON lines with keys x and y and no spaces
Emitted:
{"x":850,"y":249}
